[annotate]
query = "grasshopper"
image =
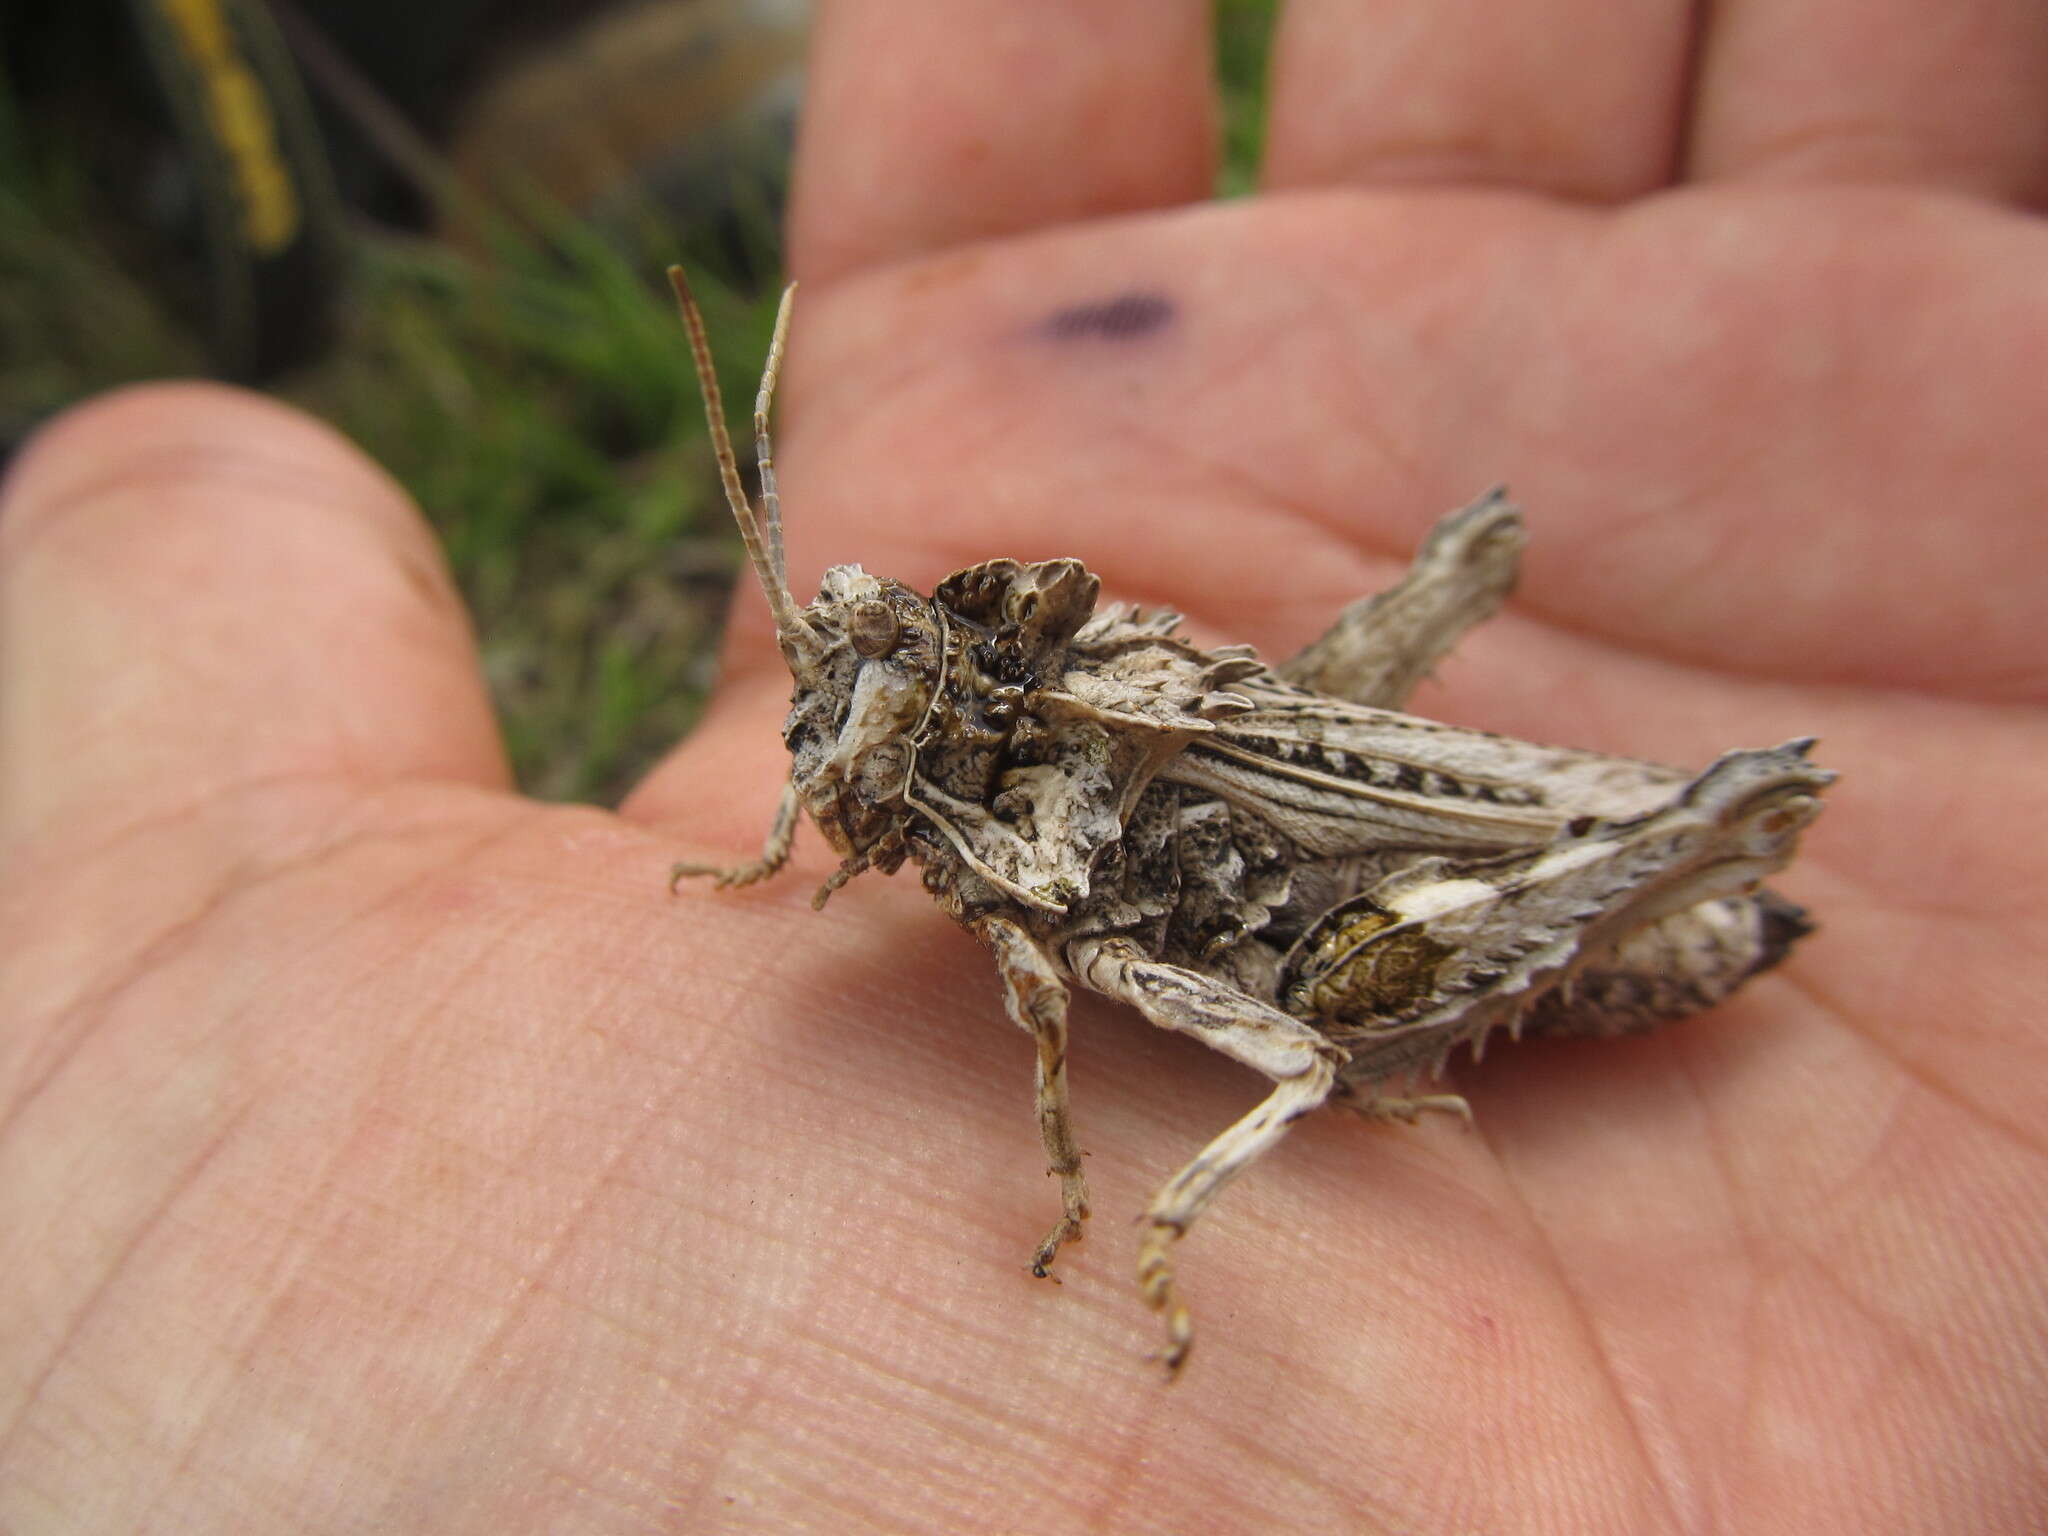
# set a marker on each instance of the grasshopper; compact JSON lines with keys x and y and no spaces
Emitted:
{"x":1273,"y":859}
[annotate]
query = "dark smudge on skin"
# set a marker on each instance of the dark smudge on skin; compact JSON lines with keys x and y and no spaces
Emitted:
{"x":1125,"y":317}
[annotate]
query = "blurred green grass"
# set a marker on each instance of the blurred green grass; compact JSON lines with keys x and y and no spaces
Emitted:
{"x":549,"y":423}
{"x":537,"y":403}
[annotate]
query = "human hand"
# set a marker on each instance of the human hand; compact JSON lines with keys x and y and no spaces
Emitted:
{"x":384,"y":1151}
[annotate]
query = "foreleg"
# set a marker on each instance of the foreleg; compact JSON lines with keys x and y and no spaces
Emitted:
{"x":1383,"y":645}
{"x":774,"y":852}
{"x":1037,"y":1000}
{"x":1302,"y":1064}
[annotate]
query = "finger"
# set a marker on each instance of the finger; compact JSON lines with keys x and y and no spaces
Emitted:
{"x":1579,"y":98}
{"x":1837,"y":90}
{"x":932,"y":122}
{"x":200,"y":588}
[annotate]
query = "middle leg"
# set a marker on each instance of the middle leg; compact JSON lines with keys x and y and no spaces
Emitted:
{"x":1302,"y":1064}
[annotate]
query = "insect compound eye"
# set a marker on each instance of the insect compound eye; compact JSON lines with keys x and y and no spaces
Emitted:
{"x":873,"y":629}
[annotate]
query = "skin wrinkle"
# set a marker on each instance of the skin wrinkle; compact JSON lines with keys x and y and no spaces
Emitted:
{"x":1329,"y":298}
{"x":356,"y":792}
{"x":530,"y":1288}
{"x":292,"y":1224}
{"x":1816,"y":149}
{"x":1256,"y":494}
{"x":842,"y":1497}
{"x":1747,"y":1231}
{"x":1250,"y":1441}
{"x":1912,"y":1071}
{"x":1533,"y":132}
{"x":180,"y":935}
{"x":192,"y":810}
{"x":1263,"y":496}
{"x":1532,"y":594}
{"x":944,"y":1429}
{"x":705,"y":1212}
{"x":110,"y":833}
{"x":1898,"y":1334}
{"x":116,"y":1270}
{"x":1258,"y":499}
{"x":1260,"y":494}
{"x":940,"y":1401}
{"x":1897,"y":1342}
{"x":1654,"y":1474}
{"x":1924,"y":900}
{"x":321,"y":1186}
{"x":567,"y":1229}
{"x":1121,"y":1482}
{"x":1721,"y":1145}
{"x":244,"y":463}
{"x":160,"y":472}
{"x":533,"y":1277}
{"x":89,"y":1011}
{"x":1477,"y":166}
{"x":1746,"y":1428}
{"x":990,"y":1330}
{"x":1400,"y":1293}
{"x":1132,"y":428}
{"x":115,"y":490}
{"x":510,"y":1171}
{"x":322,"y":1181}
{"x":1676,"y":505}
{"x":1521,"y":604}
{"x":244,"y":1356}
{"x":1852,"y":349}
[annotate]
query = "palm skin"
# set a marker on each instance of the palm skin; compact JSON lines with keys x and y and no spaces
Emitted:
{"x":384,"y":1151}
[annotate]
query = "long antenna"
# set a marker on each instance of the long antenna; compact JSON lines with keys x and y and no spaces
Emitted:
{"x":764,"y":545}
{"x":764,"y":454}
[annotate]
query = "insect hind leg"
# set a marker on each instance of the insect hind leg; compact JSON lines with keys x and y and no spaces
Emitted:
{"x":1383,"y":645}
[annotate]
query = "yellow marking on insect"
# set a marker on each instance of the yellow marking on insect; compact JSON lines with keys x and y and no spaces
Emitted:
{"x":1364,"y":964}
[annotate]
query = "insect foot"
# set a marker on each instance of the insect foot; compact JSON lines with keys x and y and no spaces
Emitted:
{"x":1271,"y":859}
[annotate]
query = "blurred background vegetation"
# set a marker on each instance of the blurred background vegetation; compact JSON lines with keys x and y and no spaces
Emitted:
{"x":442,"y":227}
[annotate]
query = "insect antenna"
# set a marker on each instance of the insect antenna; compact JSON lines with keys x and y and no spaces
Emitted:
{"x":762,"y":534}
{"x":764,"y":453}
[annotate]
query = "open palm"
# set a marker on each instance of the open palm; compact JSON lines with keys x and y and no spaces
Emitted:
{"x":385,"y":1152}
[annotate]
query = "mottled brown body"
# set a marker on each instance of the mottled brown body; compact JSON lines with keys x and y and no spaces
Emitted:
{"x":1274,"y":859}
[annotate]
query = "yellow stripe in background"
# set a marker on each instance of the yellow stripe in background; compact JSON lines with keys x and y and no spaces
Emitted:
{"x":242,"y":121}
